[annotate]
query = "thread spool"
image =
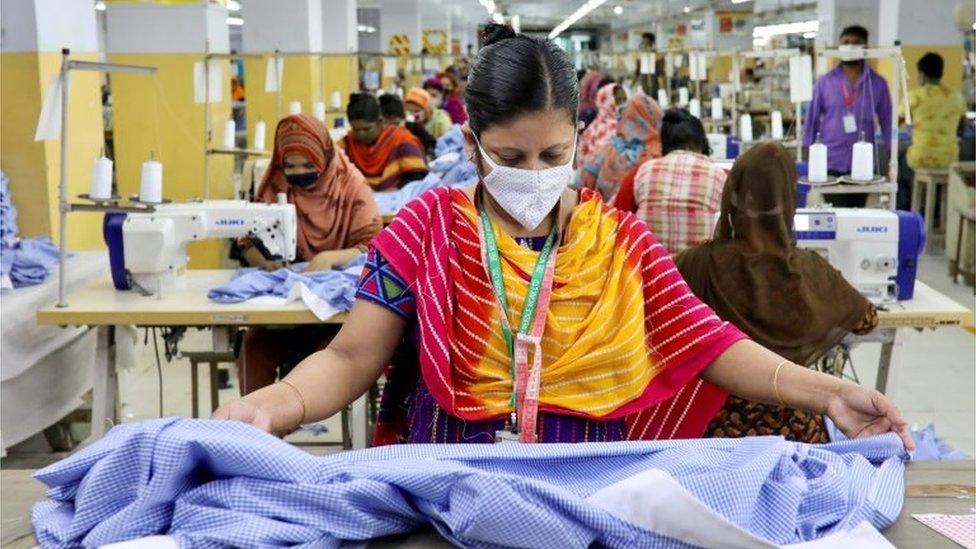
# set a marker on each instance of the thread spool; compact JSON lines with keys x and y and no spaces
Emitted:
{"x":260,"y":129}
{"x":682,"y":96}
{"x":776,"y":123}
{"x":694,"y":107}
{"x":662,"y":98}
{"x":295,"y":107}
{"x":717,"y":111}
{"x":862,"y":161}
{"x":101,"y":180}
{"x":151,"y":182}
{"x":319,"y":110}
{"x":336,"y":100}
{"x":230,"y":134}
{"x":745,"y":127}
{"x":817,"y":164}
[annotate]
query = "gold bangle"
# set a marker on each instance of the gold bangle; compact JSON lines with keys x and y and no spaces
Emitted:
{"x":776,"y":381}
{"x":301,"y":399}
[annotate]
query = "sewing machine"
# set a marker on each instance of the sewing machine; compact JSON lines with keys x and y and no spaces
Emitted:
{"x":148,"y":250}
{"x":875,"y":250}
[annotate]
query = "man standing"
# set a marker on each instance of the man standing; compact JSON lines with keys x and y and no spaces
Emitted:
{"x":845,"y":103}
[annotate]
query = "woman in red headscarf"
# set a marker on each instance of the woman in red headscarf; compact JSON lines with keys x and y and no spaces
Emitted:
{"x":337,"y":220}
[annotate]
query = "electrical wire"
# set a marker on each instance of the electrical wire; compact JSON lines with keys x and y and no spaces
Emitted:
{"x":159,"y":371}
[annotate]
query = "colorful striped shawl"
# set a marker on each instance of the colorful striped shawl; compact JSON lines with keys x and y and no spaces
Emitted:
{"x":623,"y":334}
{"x":394,"y":153}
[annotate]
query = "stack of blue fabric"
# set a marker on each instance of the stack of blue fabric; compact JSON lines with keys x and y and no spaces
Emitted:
{"x":449,"y":169}
{"x":217,"y":483}
{"x":336,"y":287}
{"x":23,"y":262}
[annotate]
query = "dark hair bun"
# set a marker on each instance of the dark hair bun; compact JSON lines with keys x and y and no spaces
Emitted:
{"x":495,"y":32}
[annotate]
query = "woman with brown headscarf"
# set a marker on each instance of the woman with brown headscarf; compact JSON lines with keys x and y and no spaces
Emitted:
{"x":787,"y":299}
{"x":337,"y":220}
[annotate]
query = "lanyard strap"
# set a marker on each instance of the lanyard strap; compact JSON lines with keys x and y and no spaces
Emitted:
{"x":532,"y":320}
{"x":850,"y":94}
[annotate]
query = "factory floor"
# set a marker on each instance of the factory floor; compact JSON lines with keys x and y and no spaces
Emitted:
{"x":933,"y":382}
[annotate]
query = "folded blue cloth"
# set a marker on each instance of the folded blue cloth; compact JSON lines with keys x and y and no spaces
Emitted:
{"x":445,"y":162}
{"x":8,"y":214}
{"x":462,"y":174}
{"x":391,"y":202}
{"x":217,"y":483}
{"x":29,"y":261}
{"x":336,"y":287}
{"x":451,"y":141}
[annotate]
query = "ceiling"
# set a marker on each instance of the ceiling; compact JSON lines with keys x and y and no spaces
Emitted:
{"x":549,"y":13}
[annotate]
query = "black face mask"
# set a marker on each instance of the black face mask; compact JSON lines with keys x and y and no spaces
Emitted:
{"x":302,"y":180}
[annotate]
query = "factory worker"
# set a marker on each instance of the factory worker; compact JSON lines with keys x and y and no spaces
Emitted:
{"x":337,"y":220}
{"x":388,"y":155}
{"x":537,"y":313}
{"x":788,"y":299}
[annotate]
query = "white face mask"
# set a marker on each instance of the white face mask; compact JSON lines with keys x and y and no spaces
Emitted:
{"x":527,"y":195}
{"x":850,"y":52}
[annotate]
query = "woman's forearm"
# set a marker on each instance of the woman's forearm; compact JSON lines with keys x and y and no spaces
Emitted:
{"x":747,"y":370}
{"x":325,"y":382}
{"x":341,"y":257}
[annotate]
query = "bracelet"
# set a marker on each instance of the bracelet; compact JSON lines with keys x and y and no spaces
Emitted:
{"x":301,"y":399}
{"x":776,"y":381}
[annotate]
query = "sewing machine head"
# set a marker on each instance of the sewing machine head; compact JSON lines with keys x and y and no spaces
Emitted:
{"x":875,"y":250}
{"x":148,"y":250}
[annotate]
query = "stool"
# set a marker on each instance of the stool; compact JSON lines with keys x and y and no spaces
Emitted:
{"x":966,"y":219}
{"x":213,"y":359}
{"x":926,"y":183}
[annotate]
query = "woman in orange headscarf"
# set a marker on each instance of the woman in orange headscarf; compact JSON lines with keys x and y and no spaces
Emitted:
{"x":337,"y":220}
{"x":388,"y":155}
{"x":435,"y":120}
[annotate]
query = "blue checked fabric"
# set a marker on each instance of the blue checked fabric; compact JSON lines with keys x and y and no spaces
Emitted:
{"x":215,"y":484}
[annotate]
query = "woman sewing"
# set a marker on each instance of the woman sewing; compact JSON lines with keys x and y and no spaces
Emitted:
{"x":788,"y":299}
{"x":337,"y":220}
{"x":388,"y":155}
{"x":540,"y":314}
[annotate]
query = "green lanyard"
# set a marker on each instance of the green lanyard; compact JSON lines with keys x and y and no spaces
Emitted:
{"x":498,"y":282}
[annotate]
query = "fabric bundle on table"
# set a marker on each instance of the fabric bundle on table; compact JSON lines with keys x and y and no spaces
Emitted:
{"x":324,"y":292}
{"x":23,"y":262}
{"x":214,"y":483}
{"x":449,"y":169}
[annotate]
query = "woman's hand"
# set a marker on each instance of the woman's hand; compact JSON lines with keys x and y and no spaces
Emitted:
{"x":273,"y":409}
{"x":246,"y":412}
{"x":323,"y":261}
{"x":860,"y":412}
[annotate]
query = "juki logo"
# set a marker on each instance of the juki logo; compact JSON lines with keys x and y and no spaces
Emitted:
{"x":230,"y":222}
{"x":872,"y":229}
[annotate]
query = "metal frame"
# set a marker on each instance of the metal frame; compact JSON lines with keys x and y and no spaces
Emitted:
{"x":65,"y":207}
{"x":784,"y":53}
{"x":894,"y":53}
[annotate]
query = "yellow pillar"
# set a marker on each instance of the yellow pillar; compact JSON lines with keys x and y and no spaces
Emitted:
{"x":160,"y":116}
{"x":35,"y":34}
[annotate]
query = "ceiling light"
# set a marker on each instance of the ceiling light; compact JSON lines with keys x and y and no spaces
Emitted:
{"x":580,"y":13}
{"x":740,"y":1}
{"x":100,"y":6}
{"x":687,"y":9}
{"x":368,"y":29}
{"x":235,"y":21}
{"x":801,"y":27}
{"x":617,"y":10}
{"x":809,"y":35}
{"x":233,"y":6}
